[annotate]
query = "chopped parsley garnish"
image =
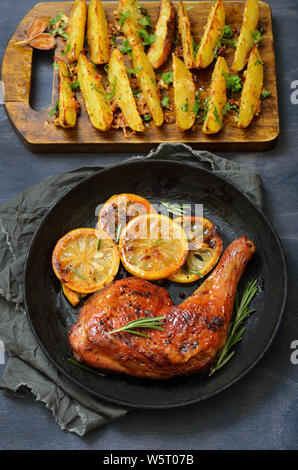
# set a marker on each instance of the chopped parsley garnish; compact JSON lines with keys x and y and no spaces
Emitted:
{"x":197,"y":104}
{"x":257,"y":36}
{"x":227,"y":32}
{"x":147,"y":117}
{"x":265,"y":94}
{"x":165,"y":101}
{"x":167,"y":77}
{"x":67,"y":49}
{"x":136,"y":93}
{"x":190,"y":8}
{"x":54,"y":110}
{"x":74,"y":85}
{"x":217,"y":118}
{"x":233,"y":82}
{"x":126,"y":48}
{"x":134,"y":71}
{"x":147,"y":37}
{"x":123,"y":17}
{"x":145,"y":21}
{"x":56,"y":19}
{"x":185,"y":107}
{"x":259,"y":62}
{"x":229,"y":107}
{"x":195,"y":46}
{"x":111,"y":95}
{"x":113,"y":40}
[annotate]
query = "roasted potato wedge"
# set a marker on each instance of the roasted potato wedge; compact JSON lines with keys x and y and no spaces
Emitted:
{"x":218,"y":98}
{"x":159,"y":51}
{"x":186,"y":36}
{"x":97,"y":105}
{"x":252,"y":89}
{"x":123,"y":96}
{"x":212,"y":32}
{"x":129,"y":20}
{"x":147,"y":82}
{"x":68,"y":106}
{"x":184,"y":95}
{"x":76,"y":30}
{"x":97,"y":33}
{"x":245,"y":40}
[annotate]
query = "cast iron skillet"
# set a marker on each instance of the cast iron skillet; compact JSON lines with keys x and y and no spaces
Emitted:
{"x":51,"y":316}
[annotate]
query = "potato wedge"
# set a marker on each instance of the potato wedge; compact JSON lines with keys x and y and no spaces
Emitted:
{"x":129,"y":20}
{"x":159,"y":51}
{"x":212,"y":32}
{"x":123,"y":95}
{"x":94,"y":94}
{"x":186,"y":36}
{"x":218,"y":98}
{"x":184,"y":95}
{"x":245,"y":40}
{"x":97,"y":33}
{"x":76,"y":30}
{"x":147,"y":82}
{"x":252,"y":89}
{"x":68,"y":106}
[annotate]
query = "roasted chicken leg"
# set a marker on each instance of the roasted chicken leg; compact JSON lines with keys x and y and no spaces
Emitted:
{"x":194,"y":331}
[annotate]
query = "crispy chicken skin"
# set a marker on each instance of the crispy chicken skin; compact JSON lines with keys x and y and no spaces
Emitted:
{"x":194,"y":331}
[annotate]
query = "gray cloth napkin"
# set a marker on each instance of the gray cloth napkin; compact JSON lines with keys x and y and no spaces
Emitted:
{"x":28,"y":371}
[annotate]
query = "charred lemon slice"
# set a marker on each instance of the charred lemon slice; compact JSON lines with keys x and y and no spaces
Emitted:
{"x":85,"y":260}
{"x":153,"y":246}
{"x":119,"y":210}
{"x":205,"y":247}
{"x":73,"y":297}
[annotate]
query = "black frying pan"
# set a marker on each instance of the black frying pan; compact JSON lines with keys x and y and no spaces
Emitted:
{"x":51,"y":316}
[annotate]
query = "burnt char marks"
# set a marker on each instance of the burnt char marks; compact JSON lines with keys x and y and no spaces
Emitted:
{"x":215,"y":323}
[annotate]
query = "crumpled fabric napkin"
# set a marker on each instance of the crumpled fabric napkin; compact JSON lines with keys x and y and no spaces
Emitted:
{"x":28,"y":371}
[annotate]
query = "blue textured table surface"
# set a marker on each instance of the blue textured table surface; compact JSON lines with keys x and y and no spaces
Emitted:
{"x":259,"y":412}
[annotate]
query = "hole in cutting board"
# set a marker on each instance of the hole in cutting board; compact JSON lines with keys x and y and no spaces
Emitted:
{"x":41,"y":79}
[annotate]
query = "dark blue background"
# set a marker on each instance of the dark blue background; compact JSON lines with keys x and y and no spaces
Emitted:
{"x":259,"y":412}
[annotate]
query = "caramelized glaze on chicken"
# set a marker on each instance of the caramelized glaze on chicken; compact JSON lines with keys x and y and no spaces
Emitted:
{"x":194,"y":331}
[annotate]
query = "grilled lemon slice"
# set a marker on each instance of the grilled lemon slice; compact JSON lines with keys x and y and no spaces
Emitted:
{"x":205,"y":247}
{"x":85,"y":260}
{"x":153,"y":246}
{"x":119,"y":210}
{"x":73,"y":297}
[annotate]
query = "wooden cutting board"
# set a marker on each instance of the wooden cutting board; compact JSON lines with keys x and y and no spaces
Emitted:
{"x":39,"y":134}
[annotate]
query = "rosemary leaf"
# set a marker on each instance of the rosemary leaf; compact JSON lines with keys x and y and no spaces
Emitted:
{"x":154,"y":323}
{"x":174,"y":208}
{"x":98,"y":244}
{"x":81,"y":366}
{"x":77,"y":273}
{"x":234,"y":333}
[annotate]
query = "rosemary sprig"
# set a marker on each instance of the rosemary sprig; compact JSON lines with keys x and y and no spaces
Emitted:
{"x":77,"y":273}
{"x":81,"y":366}
{"x":157,"y":242}
{"x":153,"y":323}
{"x":174,"y":208}
{"x":235,"y":333}
{"x":194,"y":271}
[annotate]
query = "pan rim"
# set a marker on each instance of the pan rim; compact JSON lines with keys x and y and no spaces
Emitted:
{"x":284,"y":279}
